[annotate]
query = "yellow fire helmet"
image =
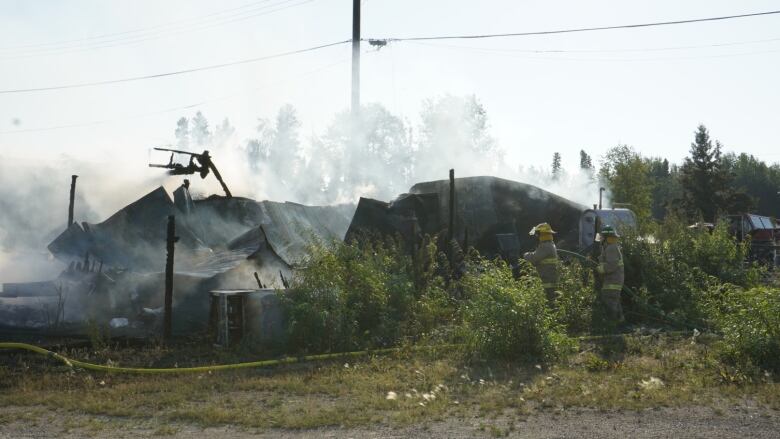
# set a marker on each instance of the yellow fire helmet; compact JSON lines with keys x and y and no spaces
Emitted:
{"x":541,"y":228}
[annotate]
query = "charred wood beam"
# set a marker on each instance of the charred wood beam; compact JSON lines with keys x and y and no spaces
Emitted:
{"x":285,"y":282}
{"x":168,"y":305}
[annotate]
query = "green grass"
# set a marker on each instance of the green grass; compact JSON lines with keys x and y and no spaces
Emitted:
{"x":607,"y":374}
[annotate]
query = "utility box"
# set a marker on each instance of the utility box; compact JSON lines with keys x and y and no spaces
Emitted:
{"x":246,"y":315}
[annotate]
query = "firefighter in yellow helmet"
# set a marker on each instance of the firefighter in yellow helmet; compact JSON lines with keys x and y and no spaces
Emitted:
{"x":545,"y":259}
{"x":611,"y":268}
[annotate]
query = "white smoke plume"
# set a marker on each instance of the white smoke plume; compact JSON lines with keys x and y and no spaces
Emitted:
{"x":382,"y":158}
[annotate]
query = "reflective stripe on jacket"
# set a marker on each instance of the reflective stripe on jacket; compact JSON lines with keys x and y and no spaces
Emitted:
{"x":545,"y":259}
{"x":611,"y":265}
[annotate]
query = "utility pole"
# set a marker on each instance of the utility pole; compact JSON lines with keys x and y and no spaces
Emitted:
{"x":355,"y":60}
{"x":72,"y":199}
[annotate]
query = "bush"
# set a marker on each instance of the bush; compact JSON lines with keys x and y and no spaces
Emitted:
{"x":678,"y":269}
{"x":750,"y":323}
{"x":349,"y":296}
{"x":574,"y":305}
{"x":508,"y":318}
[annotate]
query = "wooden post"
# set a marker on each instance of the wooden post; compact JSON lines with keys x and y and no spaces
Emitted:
{"x":168,"y":306}
{"x":72,"y":199}
{"x":259,"y":284}
{"x":451,"y":234}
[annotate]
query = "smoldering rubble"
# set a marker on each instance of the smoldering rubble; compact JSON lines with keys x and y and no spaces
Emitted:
{"x":115,"y":268}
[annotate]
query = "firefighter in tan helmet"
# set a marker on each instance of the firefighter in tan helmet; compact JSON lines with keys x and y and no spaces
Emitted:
{"x":545,"y":259}
{"x":611,"y":268}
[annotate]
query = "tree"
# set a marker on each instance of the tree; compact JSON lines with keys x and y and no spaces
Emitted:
{"x":182,"y":133}
{"x":379,"y":164}
{"x":585,"y":161}
{"x":666,"y":185}
{"x":223,"y":133}
{"x":627,"y":175}
{"x":454,"y":131}
{"x":556,"y":165}
{"x":706,"y":183}
{"x":199,"y":130}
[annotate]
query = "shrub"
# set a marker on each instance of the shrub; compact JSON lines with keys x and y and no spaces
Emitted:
{"x":574,"y":305}
{"x":675,"y":271}
{"x":508,"y":318}
{"x":349,"y":296}
{"x":750,"y":323}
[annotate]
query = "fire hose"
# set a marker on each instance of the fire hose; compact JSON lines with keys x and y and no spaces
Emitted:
{"x":275,"y":362}
{"x":256,"y":364}
{"x":200,"y":369}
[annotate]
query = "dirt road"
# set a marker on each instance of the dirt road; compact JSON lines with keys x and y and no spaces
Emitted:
{"x":695,"y":422}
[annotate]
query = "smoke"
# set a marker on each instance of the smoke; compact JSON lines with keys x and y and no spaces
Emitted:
{"x":34,"y":198}
{"x":380,"y":158}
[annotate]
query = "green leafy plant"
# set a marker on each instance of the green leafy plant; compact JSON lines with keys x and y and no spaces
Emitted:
{"x":750,"y":323}
{"x":508,"y":318}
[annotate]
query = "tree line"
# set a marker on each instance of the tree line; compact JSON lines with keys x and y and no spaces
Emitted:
{"x":391,"y":153}
{"x":708,"y":183}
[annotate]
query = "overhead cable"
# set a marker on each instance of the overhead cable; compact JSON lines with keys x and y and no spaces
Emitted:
{"x":583,"y":29}
{"x":173,"y":73}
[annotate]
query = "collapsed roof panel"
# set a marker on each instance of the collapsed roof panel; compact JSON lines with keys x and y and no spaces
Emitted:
{"x":485,"y":206}
{"x":132,"y":237}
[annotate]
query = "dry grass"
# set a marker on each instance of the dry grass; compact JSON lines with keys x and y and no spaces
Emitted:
{"x":614,"y":374}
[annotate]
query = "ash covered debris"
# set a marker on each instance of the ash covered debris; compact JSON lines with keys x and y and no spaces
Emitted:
{"x":490,"y":211}
{"x":116,"y":266}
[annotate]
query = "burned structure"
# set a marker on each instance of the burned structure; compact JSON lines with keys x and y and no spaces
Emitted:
{"x":491,"y":214}
{"x":232,"y":252}
{"x":116,"y":268}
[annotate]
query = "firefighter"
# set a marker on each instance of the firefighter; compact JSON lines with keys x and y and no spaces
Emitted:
{"x":545,"y":259}
{"x":611,"y":269}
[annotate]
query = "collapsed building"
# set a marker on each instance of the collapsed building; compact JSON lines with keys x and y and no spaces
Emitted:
{"x":233,"y":252}
{"x":491,"y":214}
{"x":115,"y":271}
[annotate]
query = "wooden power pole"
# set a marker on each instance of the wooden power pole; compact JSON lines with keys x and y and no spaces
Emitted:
{"x":451,"y":233}
{"x":355,"y":60}
{"x":72,"y":199}
{"x":168,"y":306}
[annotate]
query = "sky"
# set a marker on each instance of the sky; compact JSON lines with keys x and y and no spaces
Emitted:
{"x":648,"y":88}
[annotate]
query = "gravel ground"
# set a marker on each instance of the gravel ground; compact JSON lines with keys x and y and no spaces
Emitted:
{"x":694,"y":422}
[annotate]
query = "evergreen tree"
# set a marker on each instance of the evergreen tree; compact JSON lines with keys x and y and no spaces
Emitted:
{"x":199,"y":131}
{"x":666,"y":186}
{"x":182,"y":133}
{"x":585,"y":161}
{"x":706,"y":182}
{"x":556,"y":165}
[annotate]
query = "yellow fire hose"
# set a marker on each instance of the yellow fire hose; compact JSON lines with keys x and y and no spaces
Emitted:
{"x":251,"y":364}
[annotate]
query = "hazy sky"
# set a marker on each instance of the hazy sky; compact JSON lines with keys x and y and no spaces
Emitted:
{"x":608,"y":87}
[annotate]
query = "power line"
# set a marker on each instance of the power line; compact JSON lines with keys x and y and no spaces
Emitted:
{"x":138,"y":30}
{"x":643,"y":49}
{"x":164,"y":33}
{"x":573,"y":30}
{"x":242,"y":92}
{"x":556,"y":58}
{"x":173,"y":73}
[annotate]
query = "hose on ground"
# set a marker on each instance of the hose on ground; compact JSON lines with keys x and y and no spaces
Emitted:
{"x":200,"y":369}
